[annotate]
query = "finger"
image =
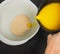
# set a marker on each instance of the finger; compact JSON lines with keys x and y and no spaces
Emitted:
{"x":49,"y":38}
{"x":56,"y":36}
{"x":58,"y":33}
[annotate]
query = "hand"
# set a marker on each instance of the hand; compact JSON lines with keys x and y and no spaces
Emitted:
{"x":53,"y":44}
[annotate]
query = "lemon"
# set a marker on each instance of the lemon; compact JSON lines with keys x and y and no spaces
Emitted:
{"x":49,"y":16}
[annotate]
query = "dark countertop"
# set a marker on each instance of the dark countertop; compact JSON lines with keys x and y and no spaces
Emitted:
{"x":36,"y":45}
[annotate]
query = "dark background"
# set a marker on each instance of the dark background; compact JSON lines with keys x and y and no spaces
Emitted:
{"x":36,"y":45}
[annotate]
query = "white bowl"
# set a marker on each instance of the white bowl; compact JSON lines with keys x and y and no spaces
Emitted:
{"x":24,"y":7}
